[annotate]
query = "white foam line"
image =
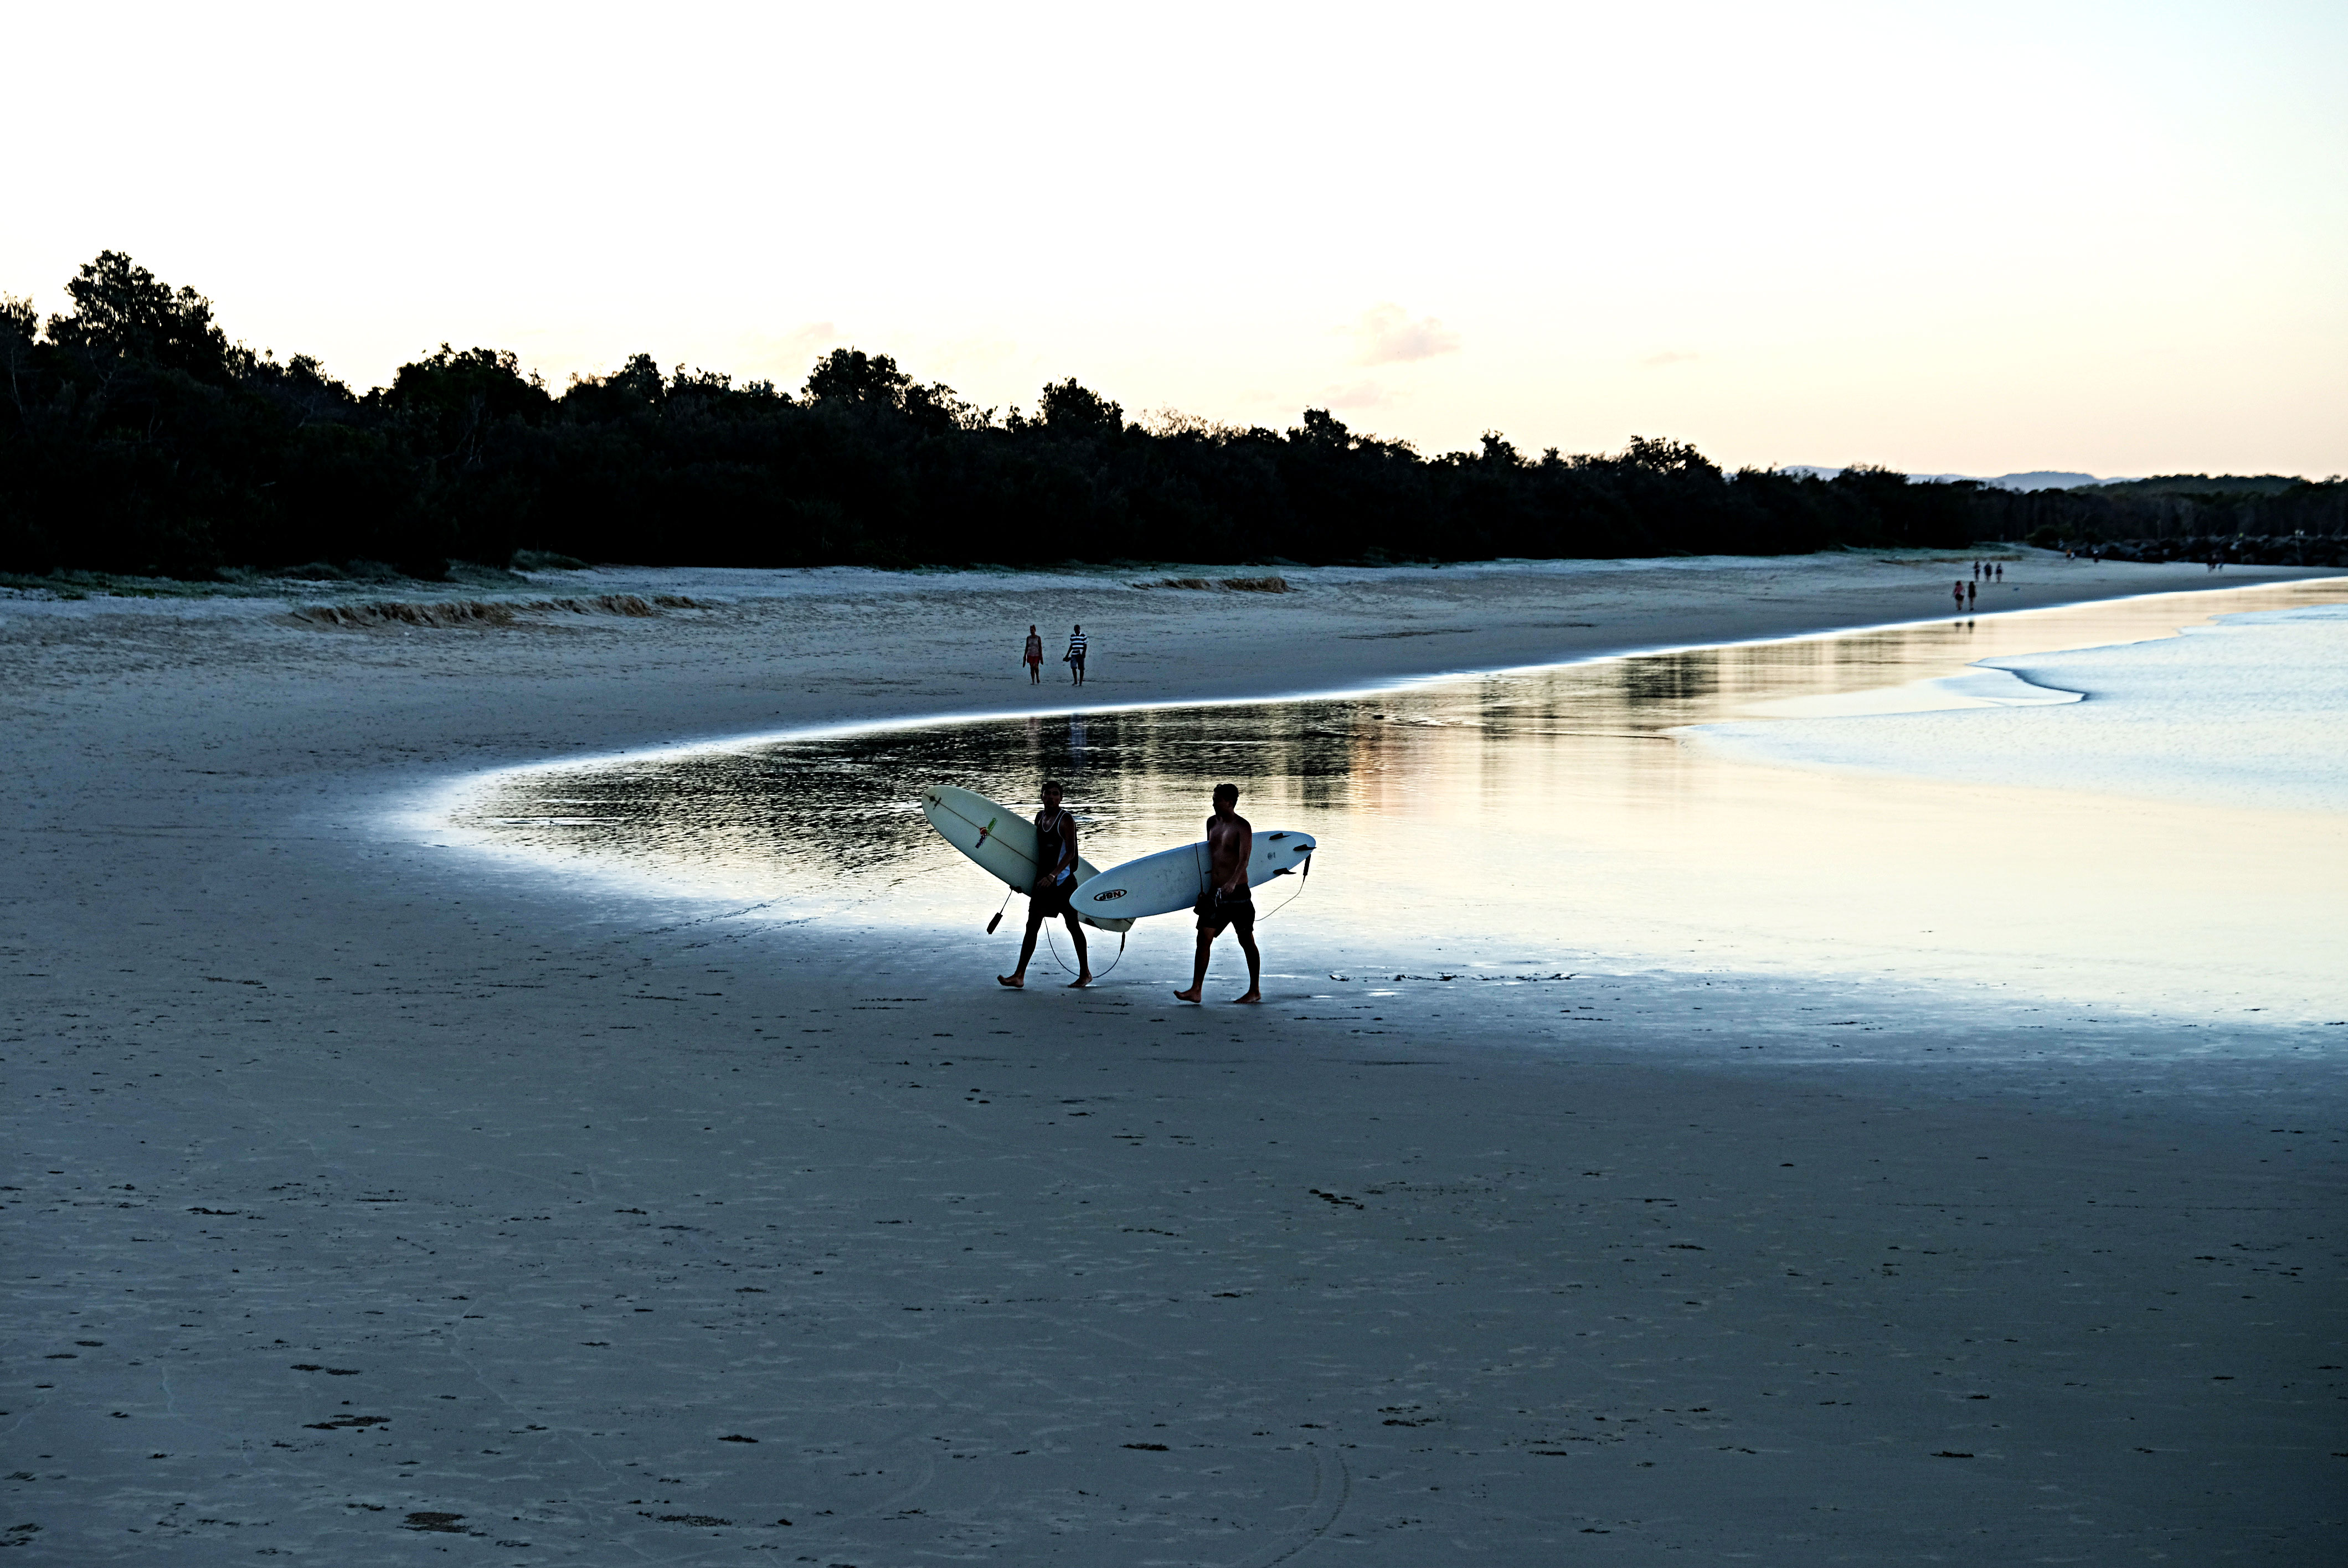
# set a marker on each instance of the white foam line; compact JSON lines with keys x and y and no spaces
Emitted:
{"x":1976,"y":686}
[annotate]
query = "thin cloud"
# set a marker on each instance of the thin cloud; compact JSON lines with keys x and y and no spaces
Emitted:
{"x":1363,"y":394}
{"x":1387,"y":335}
{"x":1672,"y":356}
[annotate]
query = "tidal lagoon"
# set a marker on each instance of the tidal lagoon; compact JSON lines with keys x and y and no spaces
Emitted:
{"x":1659,"y":810}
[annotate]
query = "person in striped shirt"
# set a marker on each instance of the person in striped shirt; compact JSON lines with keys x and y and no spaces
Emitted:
{"x":1075,"y":657}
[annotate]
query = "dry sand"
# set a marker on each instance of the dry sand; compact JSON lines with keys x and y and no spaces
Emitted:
{"x":673,"y":1230}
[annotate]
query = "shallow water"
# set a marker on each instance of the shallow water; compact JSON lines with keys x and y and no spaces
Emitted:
{"x":1551,"y":819}
{"x":2250,"y":711}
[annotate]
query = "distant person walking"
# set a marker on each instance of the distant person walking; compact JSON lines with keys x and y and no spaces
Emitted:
{"x":1972,"y":594}
{"x":1032,"y":657}
{"x":1227,"y":900}
{"x":1959,"y":591}
{"x":2001,"y":571}
{"x":1055,"y":878}
{"x":1075,"y":657}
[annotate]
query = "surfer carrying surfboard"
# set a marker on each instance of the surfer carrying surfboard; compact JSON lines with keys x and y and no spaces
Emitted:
{"x":1227,"y":900}
{"x":1055,"y":861}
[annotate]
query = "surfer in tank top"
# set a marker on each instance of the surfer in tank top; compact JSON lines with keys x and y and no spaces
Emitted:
{"x":1230,"y":841}
{"x":1055,"y":865}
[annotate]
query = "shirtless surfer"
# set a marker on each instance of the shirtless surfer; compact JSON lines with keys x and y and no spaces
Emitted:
{"x":1056,"y":858}
{"x":1227,"y":901}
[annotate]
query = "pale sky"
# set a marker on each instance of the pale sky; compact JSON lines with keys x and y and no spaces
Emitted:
{"x":1969,"y":238}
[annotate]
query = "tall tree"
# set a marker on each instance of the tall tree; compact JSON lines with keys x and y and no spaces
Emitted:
{"x":123,"y":310}
{"x":850,"y":375}
{"x":1069,"y":408}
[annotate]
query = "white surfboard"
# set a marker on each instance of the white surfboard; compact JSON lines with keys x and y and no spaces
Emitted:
{"x":1002,"y":840}
{"x":1173,"y":879}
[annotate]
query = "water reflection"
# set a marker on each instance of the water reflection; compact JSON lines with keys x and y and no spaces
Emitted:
{"x":1543,"y":812}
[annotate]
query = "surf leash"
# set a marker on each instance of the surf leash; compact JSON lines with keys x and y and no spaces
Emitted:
{"x":1113,"y":963}
{"x":1302,"y":878}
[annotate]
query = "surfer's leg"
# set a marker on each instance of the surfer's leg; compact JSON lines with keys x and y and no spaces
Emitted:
{"x":1255,"y":965}
{"x":1018,"y":977}
{"x":1083,"y":958}
{"x":1198,"y":969}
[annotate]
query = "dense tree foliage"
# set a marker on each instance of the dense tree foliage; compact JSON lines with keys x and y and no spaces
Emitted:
{"x":136,"y":437}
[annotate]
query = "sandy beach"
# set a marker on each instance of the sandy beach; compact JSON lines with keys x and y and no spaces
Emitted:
{"x":687,"y":1236}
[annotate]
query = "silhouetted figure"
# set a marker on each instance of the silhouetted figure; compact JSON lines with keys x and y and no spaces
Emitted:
{"x":1033,"y":656}
{"x":1227,"y":900}
{"x":1075,"y":657}
{"x":1055,"y":866}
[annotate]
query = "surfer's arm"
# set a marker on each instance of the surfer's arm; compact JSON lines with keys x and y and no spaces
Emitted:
{"x":1241,"y":844}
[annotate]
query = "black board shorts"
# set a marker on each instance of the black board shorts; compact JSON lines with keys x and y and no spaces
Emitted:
{"x":1055,"y":900}
{"x":1217,"y":909}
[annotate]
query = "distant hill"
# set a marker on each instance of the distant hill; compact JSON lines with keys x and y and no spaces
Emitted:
{"x":2059,"y":480}
{"x":2036,"y":479}
{"x":2042,"y":479}
{"x":2202,"y":484}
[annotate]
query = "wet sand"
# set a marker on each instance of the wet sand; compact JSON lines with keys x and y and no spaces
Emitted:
{"x":369,"y":1194}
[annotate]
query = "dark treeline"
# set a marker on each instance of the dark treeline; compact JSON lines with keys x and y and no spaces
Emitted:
{"x":137,"y":438}
{"x":2268,"y":517}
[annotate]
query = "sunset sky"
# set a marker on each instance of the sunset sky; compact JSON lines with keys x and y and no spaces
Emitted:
{"x":1949,"y":238}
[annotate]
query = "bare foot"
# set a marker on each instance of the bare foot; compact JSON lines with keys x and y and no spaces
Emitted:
{"x":1017,"y":982}
{"x":1081,"y":980}
{"x":1251,"y":997}
{"x":1189,"y":996}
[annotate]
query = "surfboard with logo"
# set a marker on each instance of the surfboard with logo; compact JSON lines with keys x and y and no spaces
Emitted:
{"x":1173,"y":879}
{"x":1002,"y":841}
